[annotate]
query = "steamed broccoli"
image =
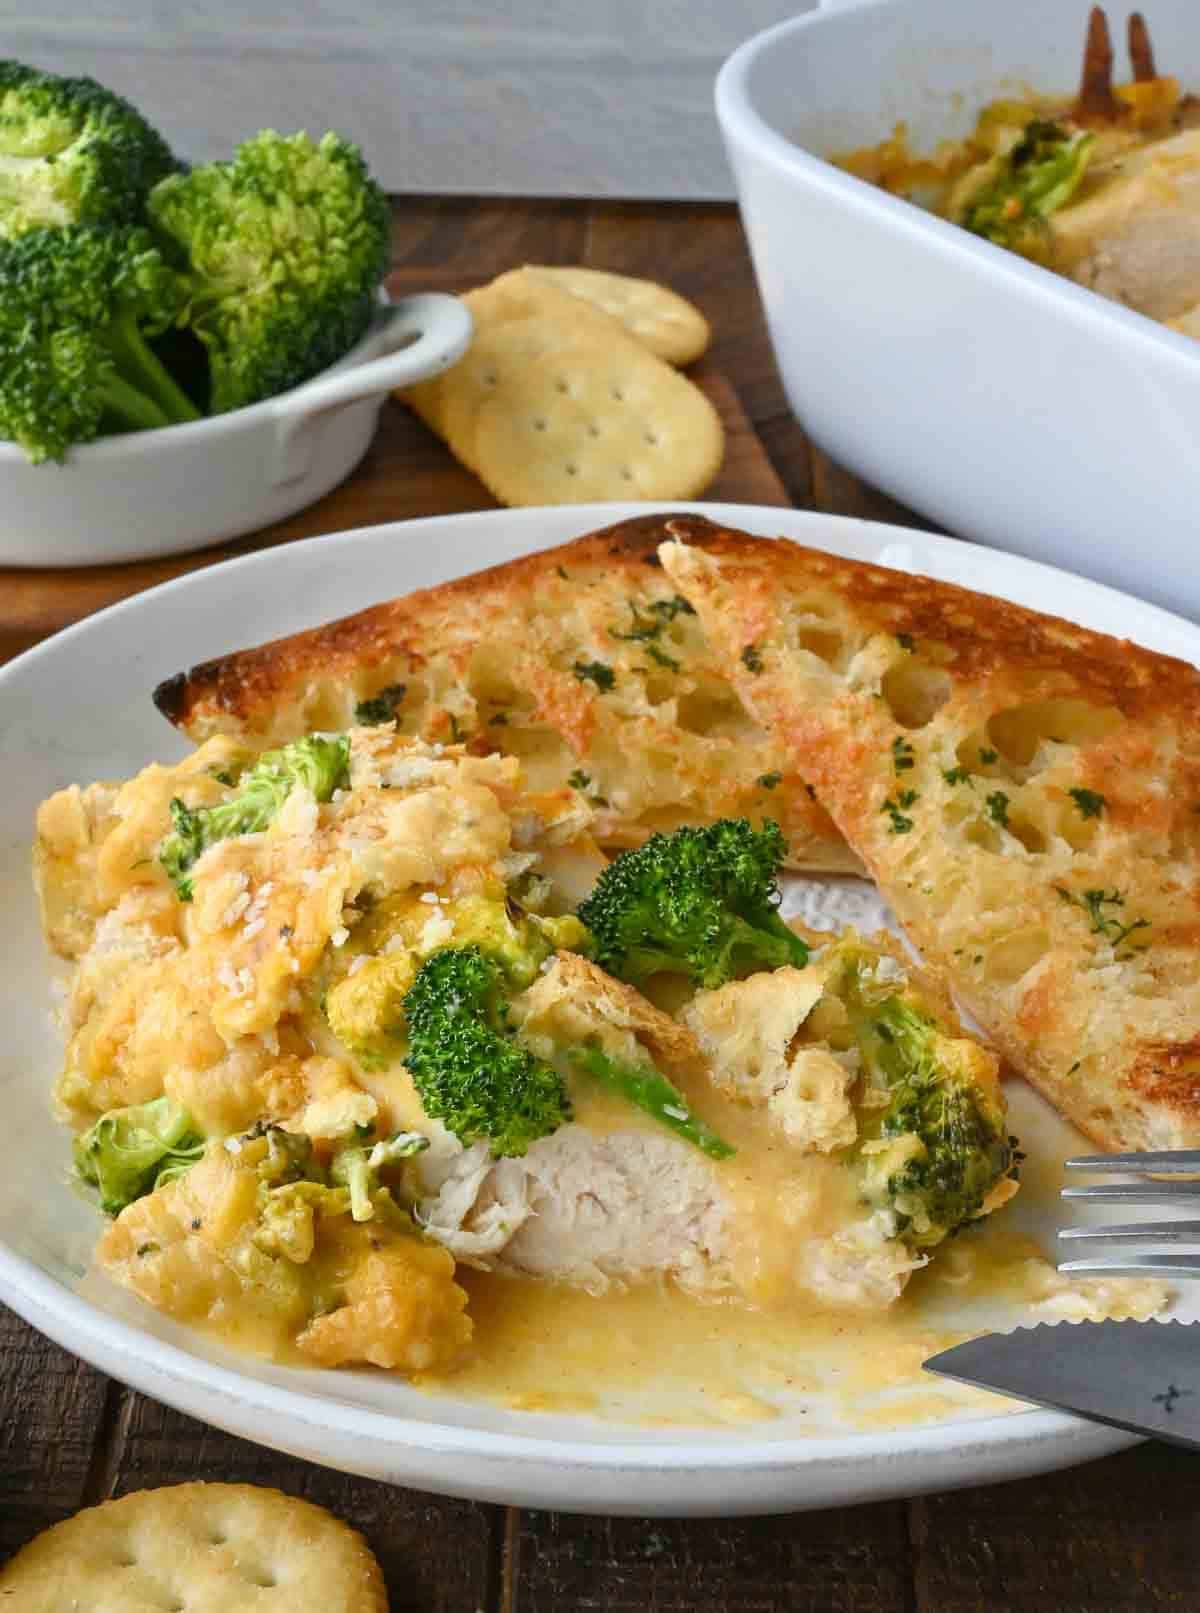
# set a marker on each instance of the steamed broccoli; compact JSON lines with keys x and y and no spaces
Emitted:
{"x":473,"y":1075}
{"x":468,"y":1070}
{"x":697,"y":902}
{"x":319,"y":763}
{"x":1038,"y":176}
{"x":72,"y":152}
{"x":365,"y":1005}
{"x":650,"y":1090}
{"x":950,"y":1146}
{"x":356,"y":1167}
{"x":76,"y":308}
{"x":129,"y":1152}
{"x":285,"y":247}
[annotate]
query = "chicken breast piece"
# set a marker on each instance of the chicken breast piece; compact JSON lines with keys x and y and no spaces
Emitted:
{"x":587,"y":1208}
{"x":810,"y":1208}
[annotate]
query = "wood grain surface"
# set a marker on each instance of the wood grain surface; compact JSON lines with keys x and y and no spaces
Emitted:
{"x":1119,"y":1535}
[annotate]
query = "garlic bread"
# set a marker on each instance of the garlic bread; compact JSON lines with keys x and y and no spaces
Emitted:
{"x":583,"y":661}
{"x":1025,"y":792}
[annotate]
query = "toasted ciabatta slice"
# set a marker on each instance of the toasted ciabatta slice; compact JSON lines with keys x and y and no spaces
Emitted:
{"x":1025,"y":792}
{"x":581,"y":660}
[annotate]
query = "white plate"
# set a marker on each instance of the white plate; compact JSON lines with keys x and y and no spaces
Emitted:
{"x":78,"y":708}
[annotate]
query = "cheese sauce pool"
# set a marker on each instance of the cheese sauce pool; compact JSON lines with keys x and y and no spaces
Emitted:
{"x":653,"y":1355}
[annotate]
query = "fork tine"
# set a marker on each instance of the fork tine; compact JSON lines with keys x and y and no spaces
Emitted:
{"x":1140,"y":1232}
{"x":1183,"y":1160}
{"x":1138,"y":1265}
{"x":1136,"y":1192}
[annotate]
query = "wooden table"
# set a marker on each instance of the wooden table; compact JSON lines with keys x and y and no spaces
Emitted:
{"x":1120,"y":1534}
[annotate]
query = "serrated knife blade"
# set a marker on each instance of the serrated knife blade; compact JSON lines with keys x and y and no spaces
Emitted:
{"x":1141,"y":1376}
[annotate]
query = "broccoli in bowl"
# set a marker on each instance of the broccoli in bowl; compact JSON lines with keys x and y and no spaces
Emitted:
{"x":136,"y":293}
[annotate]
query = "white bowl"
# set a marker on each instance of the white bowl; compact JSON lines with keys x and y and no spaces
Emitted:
{"x":1001,"y":400}
{"x":184,"y":487}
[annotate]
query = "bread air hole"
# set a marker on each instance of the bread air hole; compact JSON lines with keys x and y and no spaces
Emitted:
{"x":1026,"y":831}
{"x":825,"y":642}
{"x":1019,"y":733}
{"x":712,"y":715}
{"x":915,"y":691}
{"x":1015,"y":956}
{"x":1071,"y":825}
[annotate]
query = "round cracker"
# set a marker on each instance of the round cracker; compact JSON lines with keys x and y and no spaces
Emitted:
{"x":450,"y":403}
{"x":596,"y":422}
{"x":658,"y":317}
{"x":499,"y":353}
{"x":209,"y":1548}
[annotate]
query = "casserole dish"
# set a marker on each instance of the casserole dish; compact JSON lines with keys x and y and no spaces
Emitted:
{"x":996,"y":398}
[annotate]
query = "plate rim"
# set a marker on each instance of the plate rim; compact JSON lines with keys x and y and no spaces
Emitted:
{"x":145,"y":1356}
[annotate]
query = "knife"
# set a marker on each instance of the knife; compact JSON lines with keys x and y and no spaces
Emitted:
{"x":1141,"y":1376}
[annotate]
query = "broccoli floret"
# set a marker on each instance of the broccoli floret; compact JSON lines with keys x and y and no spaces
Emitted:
{"x":950,"y":1145}
{"x":650,"y":1090}
{"x":285,"y":248}
{"x":129,"y":1152}
{"x":76,"y":308}
{"x":474,"y":1076}
{"x":365,"y":1006}
{"x":468,"y":1070}
{"x":319,"y":763}
{"x":697,"y":902}
{"x":72,"y":152}
{"x":1038,"y":176}
{"x":296,"y":1188}
{"x":357,"y":1167}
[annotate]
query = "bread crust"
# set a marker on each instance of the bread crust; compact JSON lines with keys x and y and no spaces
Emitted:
{"x":500,"y":658}
{"x":1025,"y":792}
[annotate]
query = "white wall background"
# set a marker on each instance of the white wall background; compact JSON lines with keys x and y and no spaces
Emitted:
{"x":519,"y":97}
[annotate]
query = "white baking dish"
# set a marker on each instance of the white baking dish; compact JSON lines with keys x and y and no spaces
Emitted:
{"x":997,"y":399}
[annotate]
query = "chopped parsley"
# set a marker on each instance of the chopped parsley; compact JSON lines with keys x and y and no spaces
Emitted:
{"x":456,"y":729}
{"x":904,"y":640}
{"x":903,"y":755}
{"x":752,"y":659}
{"x":579,"y":780}
{"x":1089,"y":803}
{"x":1108,"y":925}
{"x":768,"y":781}
{"x":500,"y":720}
{"x":648,"y":625}
{"x":643,"y":629}
{"x":595,"y":672}
{"x":897,"y":810}
{"x":956,"y":775}
{"x":222,"y":776}
{"x":562,"y":571}
{"x":987,"y":757}
{"x":669,"y":609}
{"x":380,"y":707}
{"x":997,"y":808}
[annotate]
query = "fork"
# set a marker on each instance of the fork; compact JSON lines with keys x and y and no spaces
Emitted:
{"x":1181,"y":1234}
